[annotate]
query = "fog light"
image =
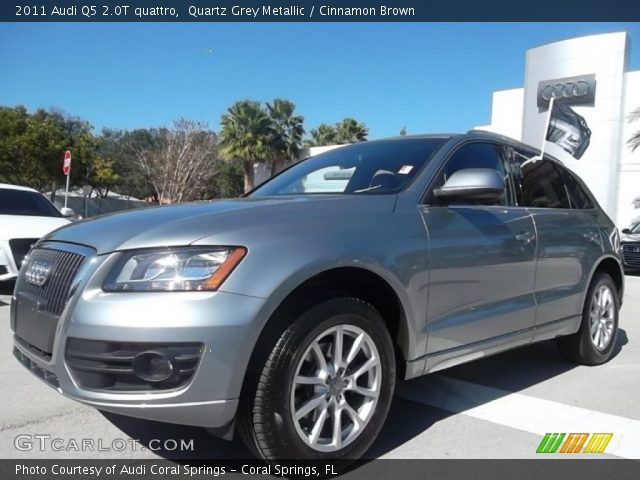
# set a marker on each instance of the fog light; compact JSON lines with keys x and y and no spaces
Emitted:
{"x":152,"y":366}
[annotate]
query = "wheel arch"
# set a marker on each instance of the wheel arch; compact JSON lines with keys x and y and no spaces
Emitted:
{"x":349,"y":280}
{"x":612,"y":266}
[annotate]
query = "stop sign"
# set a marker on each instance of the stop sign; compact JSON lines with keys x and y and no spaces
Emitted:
{"x":66,"y":166}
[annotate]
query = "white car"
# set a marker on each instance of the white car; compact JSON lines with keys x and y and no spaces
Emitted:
{"x":25,"y":216}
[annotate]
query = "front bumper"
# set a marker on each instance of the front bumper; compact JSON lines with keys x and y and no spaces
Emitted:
{"x":223,"y":322}
{"x":211,"y":414}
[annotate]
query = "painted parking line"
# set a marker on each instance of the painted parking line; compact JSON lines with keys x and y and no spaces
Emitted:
{"x":523,"y":412}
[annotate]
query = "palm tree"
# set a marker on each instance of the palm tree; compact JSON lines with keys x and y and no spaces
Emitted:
{"x":350,"y":130}
{"x":246,"y":135}
{"x":288,"y":132}
{"x":323,"y":134}
{"x":634,"y":141}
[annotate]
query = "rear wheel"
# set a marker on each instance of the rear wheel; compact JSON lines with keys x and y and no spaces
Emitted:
{"x":594,"y":342}
{"x":326,"y":387}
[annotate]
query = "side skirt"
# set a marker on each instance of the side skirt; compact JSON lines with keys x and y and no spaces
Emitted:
{"x":484,"y":348}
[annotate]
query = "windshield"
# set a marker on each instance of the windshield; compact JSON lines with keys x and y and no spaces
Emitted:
{"x":23,"y":202}
{"x":369,"y":167}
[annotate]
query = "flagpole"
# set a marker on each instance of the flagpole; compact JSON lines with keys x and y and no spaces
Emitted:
{"x":546,"y":127}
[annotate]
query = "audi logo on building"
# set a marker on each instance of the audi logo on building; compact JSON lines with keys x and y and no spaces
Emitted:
{"x":571,"y":90}
{"x":577,"y":89}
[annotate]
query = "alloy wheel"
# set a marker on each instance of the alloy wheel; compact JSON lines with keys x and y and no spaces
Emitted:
{"x":602,"y":317}
{"x":335,"y":388}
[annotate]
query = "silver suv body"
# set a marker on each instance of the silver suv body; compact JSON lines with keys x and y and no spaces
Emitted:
{"x":306,"y":299}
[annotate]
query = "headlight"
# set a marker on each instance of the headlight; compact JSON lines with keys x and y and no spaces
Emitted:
{"x":183,"y":269}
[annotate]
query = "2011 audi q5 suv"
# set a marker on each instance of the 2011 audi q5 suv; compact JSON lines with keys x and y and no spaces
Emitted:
{"x":288,"y":315}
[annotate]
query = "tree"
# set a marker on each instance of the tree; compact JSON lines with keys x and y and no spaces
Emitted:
{"x":350,"y":130}
{"x":403,"y":132}
{"x":103,"y":175}
{"x":323,"y":134}
{"x":634,"y":141}
{"x":120,"y":146}
{"x":288,"y":131}
{"x":180,"y":162}
{"x":246,"y":136}
{"x":228,"y":182}
{"x":32,"y":146}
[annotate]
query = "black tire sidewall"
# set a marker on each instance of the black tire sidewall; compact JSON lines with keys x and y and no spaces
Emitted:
{"x":338,"y":311}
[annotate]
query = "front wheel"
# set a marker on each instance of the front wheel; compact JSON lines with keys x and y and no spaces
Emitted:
{"x":594,"y":342}
{"x":326,"y":387}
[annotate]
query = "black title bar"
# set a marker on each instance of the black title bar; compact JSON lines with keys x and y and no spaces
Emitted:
{"x":315,"y":10}
{"x":160,"y":469}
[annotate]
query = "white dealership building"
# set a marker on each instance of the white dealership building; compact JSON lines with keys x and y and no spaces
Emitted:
{"x":591,"y":74}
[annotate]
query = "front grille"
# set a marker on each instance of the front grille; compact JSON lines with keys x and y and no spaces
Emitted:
{"x":631,"y":254}
{"x":55,"y":292}
{"x":109,"y":365}
{"x":19,"y":249}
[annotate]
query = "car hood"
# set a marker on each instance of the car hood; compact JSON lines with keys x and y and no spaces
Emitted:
{"x":186,"y":223}
{"x":27,"y":226}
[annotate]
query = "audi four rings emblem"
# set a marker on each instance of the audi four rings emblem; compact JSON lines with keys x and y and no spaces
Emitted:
{"x":38,"y":272}
{"x":566,"y":90}
{"x":571,"y":90}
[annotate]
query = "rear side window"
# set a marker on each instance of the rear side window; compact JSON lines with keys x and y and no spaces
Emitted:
{"x":539,"y":184}
{"x":577,"y":195}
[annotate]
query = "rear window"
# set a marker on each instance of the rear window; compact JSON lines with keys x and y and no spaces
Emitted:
{"x":22,"y":202}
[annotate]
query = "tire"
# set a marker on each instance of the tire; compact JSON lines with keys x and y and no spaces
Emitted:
{"x":266,"y":413}
{"x":589,"y":348}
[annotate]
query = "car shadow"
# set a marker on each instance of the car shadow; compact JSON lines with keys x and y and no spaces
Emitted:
{"x":505,"y":373}
{"x":153,"y":435}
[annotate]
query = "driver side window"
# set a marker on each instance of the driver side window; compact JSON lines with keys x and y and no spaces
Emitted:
{"x":479,"y":155}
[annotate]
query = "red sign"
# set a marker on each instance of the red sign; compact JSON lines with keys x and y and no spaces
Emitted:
{"x":66,"y":166}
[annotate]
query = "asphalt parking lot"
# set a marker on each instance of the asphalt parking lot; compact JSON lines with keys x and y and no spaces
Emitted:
{"x":498,"y":407}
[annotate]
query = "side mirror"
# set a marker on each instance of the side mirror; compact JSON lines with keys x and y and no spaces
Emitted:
{"x":473,"y":184}
{"x":67,"y":212}
{"x":626,"y":231}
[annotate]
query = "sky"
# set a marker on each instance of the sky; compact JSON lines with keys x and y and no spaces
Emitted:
{"x":427,"y":77}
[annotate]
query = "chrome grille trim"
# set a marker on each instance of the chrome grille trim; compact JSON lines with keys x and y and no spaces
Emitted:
{"x":54,"y":294}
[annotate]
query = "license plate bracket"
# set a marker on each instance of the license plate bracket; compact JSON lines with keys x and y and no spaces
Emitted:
{"x":34,"y":325}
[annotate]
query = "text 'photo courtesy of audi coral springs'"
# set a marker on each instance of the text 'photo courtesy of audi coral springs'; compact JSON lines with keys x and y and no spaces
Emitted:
{"x":289,"y":315}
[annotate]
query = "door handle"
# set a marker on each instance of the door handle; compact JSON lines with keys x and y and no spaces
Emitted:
{"x":525,"y":237}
